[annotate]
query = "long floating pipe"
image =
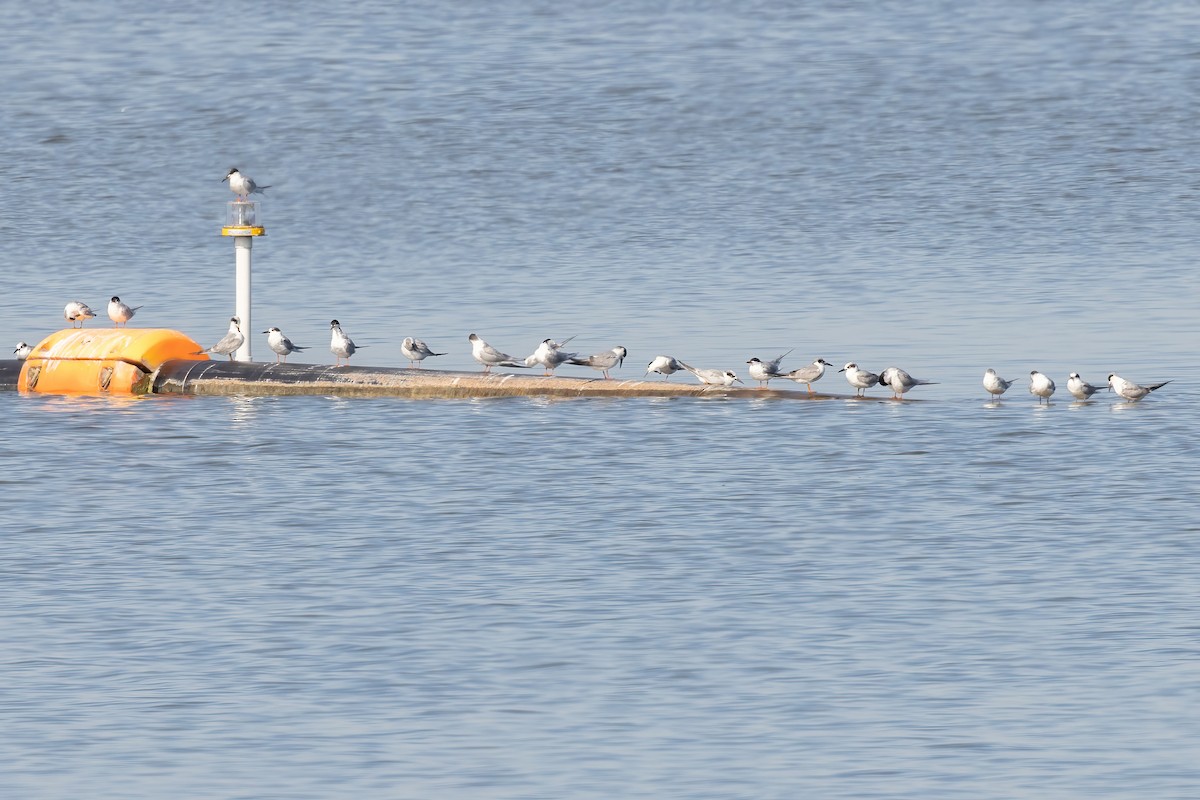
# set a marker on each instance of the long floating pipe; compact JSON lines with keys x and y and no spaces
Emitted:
{"x":231,"y":378}
{"x":240,"y":378}
{"x":10,"y":373}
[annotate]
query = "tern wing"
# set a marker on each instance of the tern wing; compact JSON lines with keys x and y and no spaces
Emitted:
{"x":774,"y":365}
{"x":802,"y":374}
{"x":228,"y":343}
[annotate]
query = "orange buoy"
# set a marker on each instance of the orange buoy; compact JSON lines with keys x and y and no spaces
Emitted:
{"x":102,"y":361}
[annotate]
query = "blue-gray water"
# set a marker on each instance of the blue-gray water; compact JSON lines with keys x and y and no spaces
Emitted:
{"x":313,"y":598}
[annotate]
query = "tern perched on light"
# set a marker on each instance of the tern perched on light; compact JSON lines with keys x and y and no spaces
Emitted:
{"x":416,"y":350}
{"x":994,"y":384}
{"x":808,"y":375}
{"x":231,"y":341}
{"x":665,"y":366}
{"x":1080,"y":388}
{"x":120,"y":313}
{"x":341,"y":345}
{"x":490,"y":357}
{"x":22,"y":351}
{"x":550,"y":355}
{"x":900,"y":381}
{"x":77,"y":311}
{"x":603,"y":361}
{"x":860,"y":379}
{"x":242,"y":185}
{"x":763,"y":371}
{"x":712,"y":377}
{"x":1130,"y":390}
{"x":1041,"y":385}
{"x":280,"y":345}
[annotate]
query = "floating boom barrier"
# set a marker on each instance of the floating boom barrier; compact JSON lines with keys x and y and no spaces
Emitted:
{"x":141,"y":361}
{"x":115,"y":361}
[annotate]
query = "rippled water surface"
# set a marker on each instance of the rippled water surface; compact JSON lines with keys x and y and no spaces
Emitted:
{"x":314,"y":597}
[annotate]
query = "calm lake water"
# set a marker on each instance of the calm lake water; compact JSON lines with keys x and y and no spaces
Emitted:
{"x":315,"y":597}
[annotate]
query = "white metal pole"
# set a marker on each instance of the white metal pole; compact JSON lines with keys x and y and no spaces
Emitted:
{"x":241,"y":250}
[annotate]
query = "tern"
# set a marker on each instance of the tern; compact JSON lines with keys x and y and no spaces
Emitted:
{"x":860,"y":379}
{"x":900,"y":381}
{"x":341,"y":345}
{"x":77,"y":311}
{"x":712,"y":377}
{"x":994,"y":384}
{"x":1130,"y":390}
{"x":1080,"y":388}
{"x":603,"y":361}
{"x":416,"y":351}
{"x":489,"y":356}
{"x":280,"y":345}
{"x":1041,"y":385}
{"x":665,"y":366}
{"x":242,"y":185}
{"x":808,"y":375}
{"x":231,"y":341}
{"x":763,"y":371}
{"x":550,"y":355}
{"x":120,"y":313}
